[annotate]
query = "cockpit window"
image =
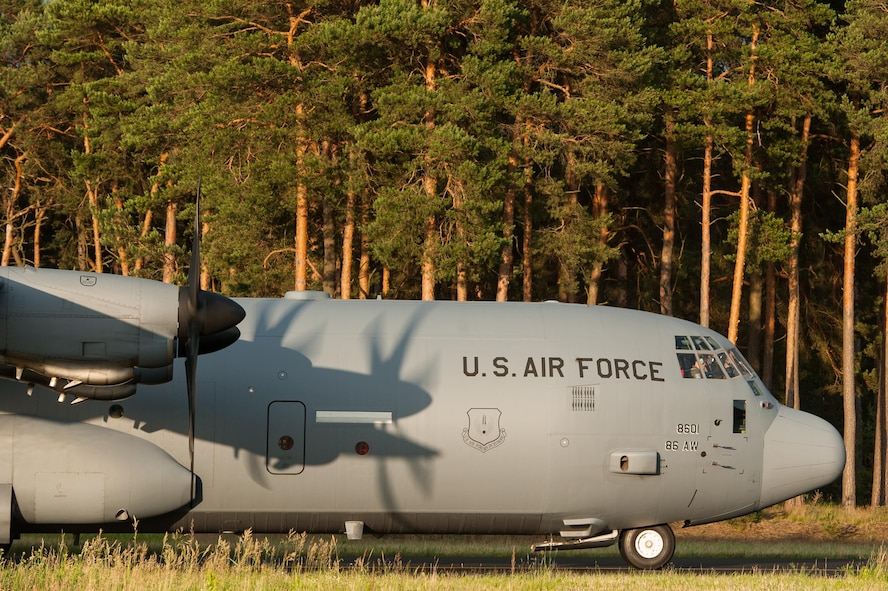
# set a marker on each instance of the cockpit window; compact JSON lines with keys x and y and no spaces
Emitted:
{"x":730,"y":368}
{"x":705,"y":357}
{"x":682,"y":343}
{"x":740,"y":362}
{"x":690,"y":367}
{"x":711,"y":368}
{"x":700,"y":343}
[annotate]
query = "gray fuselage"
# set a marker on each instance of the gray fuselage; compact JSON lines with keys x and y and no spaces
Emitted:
{"x":451,"y":418}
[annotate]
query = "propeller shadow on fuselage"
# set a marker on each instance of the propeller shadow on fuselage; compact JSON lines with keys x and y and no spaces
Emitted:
{"x":236,"y":386}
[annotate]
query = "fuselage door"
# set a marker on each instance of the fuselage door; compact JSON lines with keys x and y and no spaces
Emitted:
{"x":286,"y":437}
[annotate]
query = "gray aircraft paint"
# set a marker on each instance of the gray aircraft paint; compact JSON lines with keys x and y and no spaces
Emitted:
{"x":475,"y":417}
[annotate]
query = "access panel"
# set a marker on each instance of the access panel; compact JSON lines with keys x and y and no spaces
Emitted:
{"x":286,"y":437}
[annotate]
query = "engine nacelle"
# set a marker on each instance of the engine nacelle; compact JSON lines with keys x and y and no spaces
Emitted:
{"x":76,"y":473}
{"x":88,"y":327}
{"x":96,"y":335}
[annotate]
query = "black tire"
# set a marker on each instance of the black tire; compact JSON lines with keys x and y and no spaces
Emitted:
{"x":647,"y":548}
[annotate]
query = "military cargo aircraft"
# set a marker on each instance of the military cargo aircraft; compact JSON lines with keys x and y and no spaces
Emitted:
{"x":585,"y":425}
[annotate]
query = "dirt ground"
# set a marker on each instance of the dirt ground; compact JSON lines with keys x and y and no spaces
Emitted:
{"x":813,"y":522}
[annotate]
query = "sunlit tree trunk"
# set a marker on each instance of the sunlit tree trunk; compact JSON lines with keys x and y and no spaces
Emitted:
{"x":507,"y":254}
{"x":149,"y":216}
{"x":670,"y":183}
{"x":300,"y":260}
{"x":364,"y":265}
{"x":706,"y":200}
{"x":745,"y":186}
{"x":348,"y":238}
{"x":169,"y":242}
{"x":793,"y":301}
{"x":430,"y":187}
{"x":10,"y":200}
{"x":599,"y":209}
{"x":40,"y":211}
{"x":10,"y":210}
{"x":849,"y":394}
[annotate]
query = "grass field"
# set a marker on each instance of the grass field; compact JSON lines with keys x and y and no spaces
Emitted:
{"x":183,"y":561}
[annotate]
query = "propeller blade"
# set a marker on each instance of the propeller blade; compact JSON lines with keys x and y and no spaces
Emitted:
{"x":202,"y":314}
{"x":194,"y":330}
{"x":191,"y":386}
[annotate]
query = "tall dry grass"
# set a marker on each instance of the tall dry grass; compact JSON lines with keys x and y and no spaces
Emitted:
{"x":298,"y":562}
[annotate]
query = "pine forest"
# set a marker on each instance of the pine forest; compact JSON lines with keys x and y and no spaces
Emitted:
{"x":722,"y":161}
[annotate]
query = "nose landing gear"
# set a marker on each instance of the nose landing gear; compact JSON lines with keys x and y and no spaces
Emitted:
{"x":647,"y":548}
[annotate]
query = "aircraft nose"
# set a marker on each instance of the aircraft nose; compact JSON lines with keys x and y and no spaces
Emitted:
{"x":802,"y":452}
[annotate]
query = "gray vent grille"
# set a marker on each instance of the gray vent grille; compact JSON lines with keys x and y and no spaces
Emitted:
{"x":582,"y":398}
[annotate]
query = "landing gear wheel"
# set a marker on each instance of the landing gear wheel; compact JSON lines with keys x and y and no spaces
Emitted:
{"x":647,"y":548}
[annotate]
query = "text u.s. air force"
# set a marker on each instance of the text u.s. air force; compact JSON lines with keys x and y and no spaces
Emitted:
{"x":559,"y":367}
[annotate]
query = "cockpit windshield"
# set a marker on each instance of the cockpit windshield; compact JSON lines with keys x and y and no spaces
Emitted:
{"x":702,"y":357}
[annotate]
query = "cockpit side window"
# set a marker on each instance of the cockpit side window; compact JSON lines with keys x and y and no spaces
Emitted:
{"x":690,"y":367}
{"x":740,"y":362}
{"x":729,"y":366}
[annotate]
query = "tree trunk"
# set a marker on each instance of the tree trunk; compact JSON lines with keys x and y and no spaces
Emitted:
{"x":204,"y":270}
{"x":754,"y":347}
{"x":146,"y":223}
{"x":849,"y":395}
{"x":300,"y":259}
{"x":39,"y":217}
{"x":527,"y":241}
{"x":329,"y":231}
{"x":770,"y":312}
{"x":880,"y":453}
{"x":794,"y":304}
{"x":428,"y":259}
{"x":122,"y":257}
{"x":706,"y":228}
{"x":507,"y":254}
{"x":364,"y":265}
{"x":83,"y":261}
{"x":670,"y":183}
{"x":10,"y":209}
{"x":348,"y":234}
{"x":770,"y":323}
{"x":169,"y":242}
{"x":706,"y":198}
{"x":745,"y":185}
{"x":348,"y":238}
{"x":599,"y":209}
{"x":742,"y":235}
{"x":430,"y":187}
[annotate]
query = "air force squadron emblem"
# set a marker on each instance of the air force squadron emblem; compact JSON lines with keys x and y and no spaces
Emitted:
{"x":484,"y":431}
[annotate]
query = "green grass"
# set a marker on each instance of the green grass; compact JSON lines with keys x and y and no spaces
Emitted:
{"x":303,"y":562}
